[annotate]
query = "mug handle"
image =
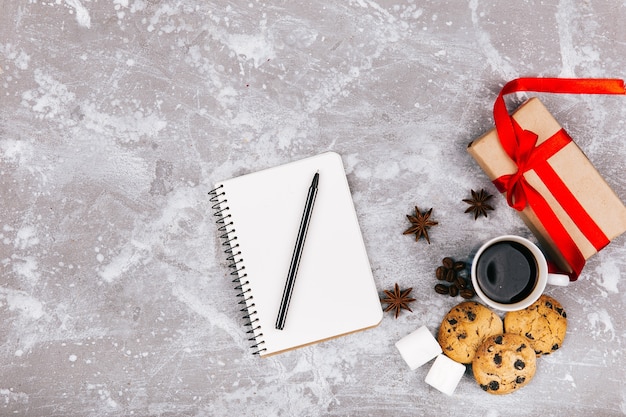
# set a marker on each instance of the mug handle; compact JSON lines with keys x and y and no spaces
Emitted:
{"x":558,"y":279}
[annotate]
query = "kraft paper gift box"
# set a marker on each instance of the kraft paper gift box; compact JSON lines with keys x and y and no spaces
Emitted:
{"x":575,"y":171}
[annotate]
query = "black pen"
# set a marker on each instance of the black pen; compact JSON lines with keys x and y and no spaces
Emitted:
{"x":297,"y":253}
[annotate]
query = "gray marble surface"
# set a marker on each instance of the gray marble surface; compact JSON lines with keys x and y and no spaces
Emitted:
{"x":117,"y":117}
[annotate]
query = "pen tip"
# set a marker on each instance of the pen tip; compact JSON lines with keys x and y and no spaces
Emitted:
{"x":315,"y":179}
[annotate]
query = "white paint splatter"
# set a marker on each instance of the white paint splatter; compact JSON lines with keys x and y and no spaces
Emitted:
{"x":570,"y":378}
{"x":72,"y":358}
{"x":27,"y":267}
{"x":174,"y":222}
{"x":601,"y":322}
{"x":387,"y":170}
{"x":16,"y":151}
{"x":103,"y":393}
{"x":19,"y":301}
{"x":254,"y":47}
{"x":19,"y":57}
{"x":50,"y":99}
{"x":53,"y":100}
{"x":120,"y":264}
{"x":194,"y":303}
{"x":26,"y":237}
{"x":82,"y":15}
{"x":165,"y":10}
{"x":13,"y":397}
{"x":609,"y":273}
{"x":497,"y":63}
{"x":138,"y":6}
{"x":127,"y":128}
{"x":573,"y":53}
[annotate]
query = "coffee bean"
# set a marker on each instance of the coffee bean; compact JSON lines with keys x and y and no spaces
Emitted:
{"x":460,"y":282}
{"x":440,"y":273}
{"x":450,"y":275}
{"x":448,"y":262}
{"x":459,"y":265}
{"x":454,"y":291}
{"x":467,"y":293}
{"x":442,"y":289}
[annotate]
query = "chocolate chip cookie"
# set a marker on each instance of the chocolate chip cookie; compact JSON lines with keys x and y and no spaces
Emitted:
{"x":465,"y":327}
{"x":544,"y":323}
{"x":504,"y":363}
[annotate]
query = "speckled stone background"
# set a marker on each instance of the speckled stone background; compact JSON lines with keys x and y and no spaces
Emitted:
{"x":117,"y":117}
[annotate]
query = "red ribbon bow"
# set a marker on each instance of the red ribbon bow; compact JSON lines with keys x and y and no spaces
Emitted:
{"x":515,"y":185}
{"x":521,"y":146}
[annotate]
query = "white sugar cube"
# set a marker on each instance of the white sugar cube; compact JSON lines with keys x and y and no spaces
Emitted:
{"x":418,"y":347}
{"x":445,"y":374}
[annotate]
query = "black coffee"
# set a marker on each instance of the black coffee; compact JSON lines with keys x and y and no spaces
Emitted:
{"x":506,"y":272}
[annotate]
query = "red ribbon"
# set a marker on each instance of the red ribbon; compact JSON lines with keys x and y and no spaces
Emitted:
{"x":521,"y":146}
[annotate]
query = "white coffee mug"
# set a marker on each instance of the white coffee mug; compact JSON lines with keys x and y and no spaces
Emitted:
{"x":513,"y":273}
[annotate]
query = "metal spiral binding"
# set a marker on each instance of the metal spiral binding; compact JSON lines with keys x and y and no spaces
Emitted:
{"x":229,"y":240}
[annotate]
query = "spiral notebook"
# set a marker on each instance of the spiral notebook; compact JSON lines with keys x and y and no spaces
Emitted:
{"x":259,"y":216}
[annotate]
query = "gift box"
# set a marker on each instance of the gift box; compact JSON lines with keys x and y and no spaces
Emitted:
{"x":570,"y":208}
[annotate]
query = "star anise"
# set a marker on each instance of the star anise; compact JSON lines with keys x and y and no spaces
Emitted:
{"x":478,"y":203}
{"x":398,"y":300}
{"x":420,"y":224}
